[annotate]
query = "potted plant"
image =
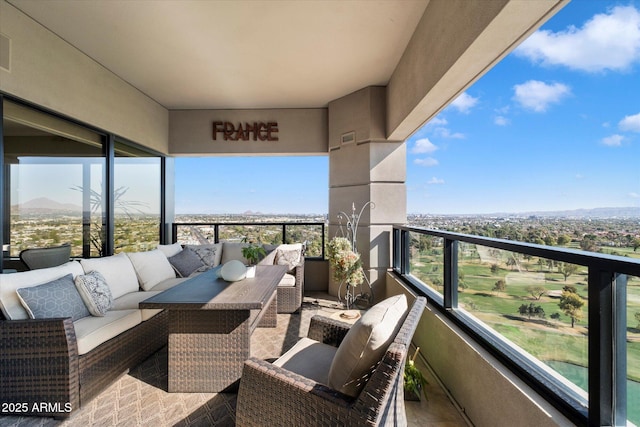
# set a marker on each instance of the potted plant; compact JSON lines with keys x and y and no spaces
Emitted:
{"x":252,"y":253}
{"x":414,"y":381}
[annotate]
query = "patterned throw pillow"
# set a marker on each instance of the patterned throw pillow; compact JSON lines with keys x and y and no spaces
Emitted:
{"x":209,"y":254}
{"x":288,"y":257}
{"x":95,"y":292}
{"x":186,"y":262}
{"x":58,"y":298}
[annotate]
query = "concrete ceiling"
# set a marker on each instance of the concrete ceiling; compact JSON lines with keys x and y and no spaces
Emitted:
{"x":237,"y":54}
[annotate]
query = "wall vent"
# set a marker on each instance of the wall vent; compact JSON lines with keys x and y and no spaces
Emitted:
{"x":5,"y":52}
{"x":348,"y":138}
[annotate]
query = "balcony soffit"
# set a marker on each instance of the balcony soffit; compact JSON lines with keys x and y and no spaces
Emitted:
{"x":244,"y":54}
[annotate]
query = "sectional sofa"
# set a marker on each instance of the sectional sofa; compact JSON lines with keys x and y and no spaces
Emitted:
{"x":70,"y":331}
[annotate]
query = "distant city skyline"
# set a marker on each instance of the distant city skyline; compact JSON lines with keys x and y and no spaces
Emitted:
{"x":554,"y":126}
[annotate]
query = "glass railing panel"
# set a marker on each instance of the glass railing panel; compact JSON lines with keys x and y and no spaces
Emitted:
{"x":426,"y":260}
{"x":269,"y":234}
{"x":195,"y":234}
{"x":538,"y":304}
{"x":633,"y":349}
{"x":309,"y":233}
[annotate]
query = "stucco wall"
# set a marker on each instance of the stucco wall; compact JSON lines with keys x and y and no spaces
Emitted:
{"x":46,"y":70}
{"x":300,"y":131}
{"x":487,"y":392}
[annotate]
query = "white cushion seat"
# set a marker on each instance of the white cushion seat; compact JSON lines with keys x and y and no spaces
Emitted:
{"x":92,"y":331}
{"x":288,"y":280}
{"x":131,"y":300}
{"x":309,"y":358}
{"x":152,"y":267}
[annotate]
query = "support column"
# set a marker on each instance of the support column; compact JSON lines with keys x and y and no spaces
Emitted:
{"x":364,"y":166}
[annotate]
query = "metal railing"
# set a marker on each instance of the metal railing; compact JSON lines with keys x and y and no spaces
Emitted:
{"x":607,"y":322}
{"x":284,"y":228}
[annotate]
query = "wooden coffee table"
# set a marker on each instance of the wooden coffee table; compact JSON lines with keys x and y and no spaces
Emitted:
{"x":210,"y":326}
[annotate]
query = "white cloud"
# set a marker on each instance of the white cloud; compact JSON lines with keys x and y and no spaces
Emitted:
{"x":630,"y":123}
{"x":634,"y":195}
{"x":435,"y":180}
{"x":426,"y":162}
{"x":613,"y":140}
{"x":536,"y":95}
{"x":464,"y":103}
{"x":501,"y":121}
{"x":437,"y":121}
{"x":608,"y":41}
{"x":446,"y":133}
{"x":579,"y":176}
{"x":424,"y":146}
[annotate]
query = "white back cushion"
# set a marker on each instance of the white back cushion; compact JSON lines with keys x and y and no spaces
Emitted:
{"x":9,"y":302}
{"x":152,"y":267}
{"x":170,"y":250}
{"x":365,"y":344}
{"x":117,"y":270}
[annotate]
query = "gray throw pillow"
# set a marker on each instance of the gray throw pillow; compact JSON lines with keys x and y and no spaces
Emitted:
{"x":58,"y":298}
{"x":186,"y":262}
{"x":95,"y":292}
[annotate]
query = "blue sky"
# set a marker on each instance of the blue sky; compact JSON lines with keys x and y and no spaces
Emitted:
{"x":553,"y":126}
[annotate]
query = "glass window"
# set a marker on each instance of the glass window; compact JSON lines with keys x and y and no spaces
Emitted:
{"x":55,"y":173}
{"x":137,"y":192}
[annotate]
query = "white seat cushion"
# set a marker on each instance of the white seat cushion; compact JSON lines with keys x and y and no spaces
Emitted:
{"x":131,"y":300}
{"x":288,"y":281}
{"x":92,"y":331}
{"x":365,"y":343}
{"x":9,"y":283}
{"x":117,"y":270}
{"x":152,"y":267}
{"x":309,"y":358}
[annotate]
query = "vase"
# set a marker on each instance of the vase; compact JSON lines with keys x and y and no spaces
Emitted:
{"x":413,"y":395}
{"x":251,"y":272}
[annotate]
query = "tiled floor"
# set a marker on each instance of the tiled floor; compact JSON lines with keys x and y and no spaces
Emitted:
{"x":140,"y":397}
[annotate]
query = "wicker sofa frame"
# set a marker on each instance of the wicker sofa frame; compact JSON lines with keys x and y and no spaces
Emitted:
{"x":39,"y":362}
{"x":290,"y":297}
{"x":273,"y":396}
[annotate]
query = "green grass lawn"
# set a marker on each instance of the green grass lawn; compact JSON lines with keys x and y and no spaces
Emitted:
{"x":546,"y":339}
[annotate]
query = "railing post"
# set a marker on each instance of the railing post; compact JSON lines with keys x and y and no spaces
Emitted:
{"x":405,"y":242}
{"x":607,"y":348}
{"x":284,"y":233}
{"x":216,"y":233}
{"x":450,"y":291}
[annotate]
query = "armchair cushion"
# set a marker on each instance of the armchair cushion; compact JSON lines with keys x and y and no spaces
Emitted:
{"x":309,"y":358}
{"x":289,"y":255}
{"x":58,"y":298}
{"x":365,"y":343}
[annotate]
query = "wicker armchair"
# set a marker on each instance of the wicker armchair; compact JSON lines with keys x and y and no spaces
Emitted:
{"x":36,"y":258}
{"x":272,"y":396}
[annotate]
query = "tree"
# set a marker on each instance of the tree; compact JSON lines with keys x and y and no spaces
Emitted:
{"x":536,"y":291}
{"x":636,"y":244}
{"x":637,"y":316}
{"x":563,"y":239}
{"x":495,"y":268}
{"x":588,"y":243}
{"x":531,"y":311}
{"x":500,"y":286}
{"x":555,"y":316}
{"x":571,"y":304}
{"x":567,"y":269}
